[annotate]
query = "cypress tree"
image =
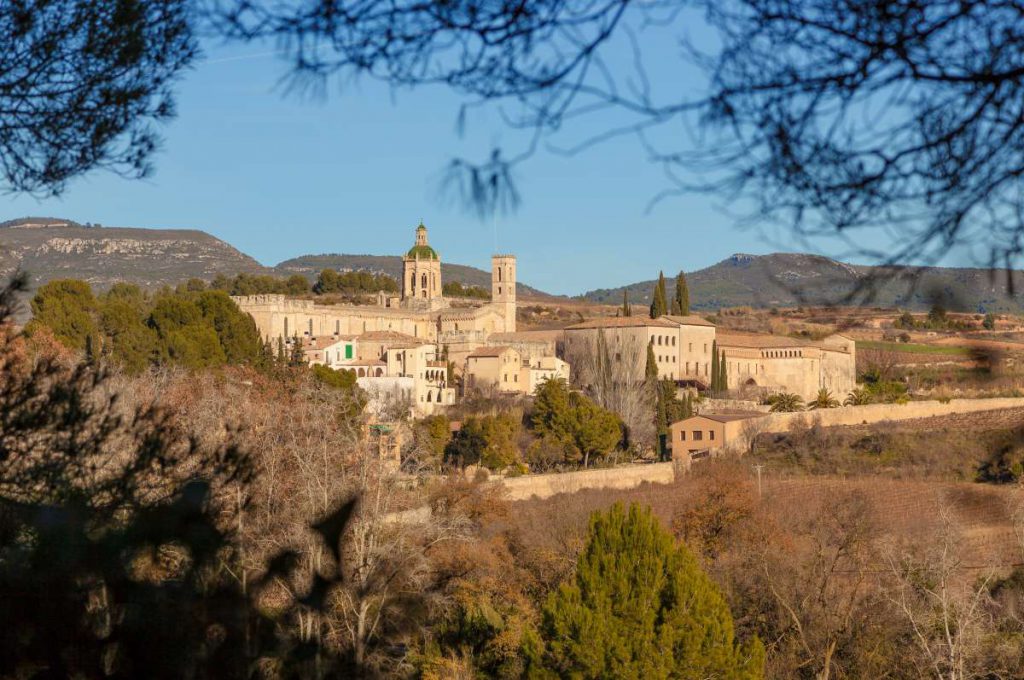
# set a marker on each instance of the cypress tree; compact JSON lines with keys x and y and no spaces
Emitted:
{"x":714,"y":386}
{"x":681,"y":300}
{"x":651,"y":370}
{"x":626,"y":309}
{"x":659,"y":303}
{"x":640,"y":606}
{"x":723,"y":380}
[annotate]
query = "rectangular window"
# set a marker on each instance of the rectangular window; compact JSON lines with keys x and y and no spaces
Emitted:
{"x":711,"y":435}
{"x":348,"y":351}
{"x":698,"y":435}
{"x":691,"y":347}
{"x":682,"y":435}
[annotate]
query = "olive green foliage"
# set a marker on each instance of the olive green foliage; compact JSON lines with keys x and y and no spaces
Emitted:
{"x":659,"y":302}
{"x":858,"y":397}
{"x":651,"y":367}
{"x":627,"y":310}
{"x":456,"y":289}
{"x":195,"y":329}
{"x":572,"y":423}
{"x":673,"y":407}
{"x":260,"y":284}
{"x":937,"y":319}
{"x":785,"y":402}
{"x":639,"y":606}
{"x":432,"y":435}
{"x":681,"y":299}
{"x":989,"y":322}
{"x":881,"y":391}
{"x":824,"y":399}
{"x":330,"y":281}
{"x":723,"y":373}
{"x":489,"y":441}
{"x":68,"y":308}
{"x":339,"y":379}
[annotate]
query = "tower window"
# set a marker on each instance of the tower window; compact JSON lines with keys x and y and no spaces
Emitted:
{"x":499,"y":273}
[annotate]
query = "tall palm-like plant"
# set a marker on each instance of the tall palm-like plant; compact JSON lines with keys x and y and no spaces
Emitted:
{"x":786,"y":402}
{"x":823,"y":400}
{"x":858,"y":397}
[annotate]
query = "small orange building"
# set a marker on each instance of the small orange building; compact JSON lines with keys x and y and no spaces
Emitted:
{"x":701,"y":434}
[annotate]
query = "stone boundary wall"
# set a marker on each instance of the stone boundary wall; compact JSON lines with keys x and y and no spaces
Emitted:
{"x":547,"y":485}
{"x":711,"y":406}
{"x":869,"y":414}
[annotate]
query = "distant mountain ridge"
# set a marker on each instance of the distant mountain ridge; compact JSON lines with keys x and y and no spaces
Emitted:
{"x":311,"y":265}
{"x":52,"y":247}
{"x":793,"y":279}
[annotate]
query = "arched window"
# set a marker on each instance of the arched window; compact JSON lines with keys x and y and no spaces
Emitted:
{"x":362,"y":372}
{"x":423,"y":281}
{"x":430,"y":397}
{"x":286,"y":326}
{"x":380,"y":372}
{"x":412,"y":281}
{"x":499,"y":274}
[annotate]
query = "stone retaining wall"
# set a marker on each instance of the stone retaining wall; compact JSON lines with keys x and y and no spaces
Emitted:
{"x":547,"y":485}
{"x":869,"y":414}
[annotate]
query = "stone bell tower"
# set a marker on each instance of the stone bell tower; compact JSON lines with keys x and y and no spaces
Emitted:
{"x":503,"y":288}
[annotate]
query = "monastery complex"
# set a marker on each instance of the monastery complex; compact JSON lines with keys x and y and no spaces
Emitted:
{"x":410,"y":346}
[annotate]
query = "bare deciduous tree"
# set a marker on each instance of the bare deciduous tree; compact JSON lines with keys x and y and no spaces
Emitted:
{"x":614,"y":378}
{"x":946,"y":606}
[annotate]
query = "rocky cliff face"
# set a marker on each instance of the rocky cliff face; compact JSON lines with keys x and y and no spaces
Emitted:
{"x":104,"y":255}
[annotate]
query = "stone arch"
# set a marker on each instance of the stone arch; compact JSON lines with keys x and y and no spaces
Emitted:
{"x":750,"y":383}
{"x":380,"y":372}
{"x":362,"y":372}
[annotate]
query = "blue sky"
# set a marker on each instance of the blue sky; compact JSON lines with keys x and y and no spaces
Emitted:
{"x":278,"y":176}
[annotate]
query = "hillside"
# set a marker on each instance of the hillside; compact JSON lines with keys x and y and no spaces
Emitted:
{"x":52,"y":247}
{"x":791,"y":279}
{"x":48,"y":248}
{"x":311,"y":265}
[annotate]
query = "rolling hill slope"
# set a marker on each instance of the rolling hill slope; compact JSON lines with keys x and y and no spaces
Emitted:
{"x":104,"y":255}
{"x":792,"y":279}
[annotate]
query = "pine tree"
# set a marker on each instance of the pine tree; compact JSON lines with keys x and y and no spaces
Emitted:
{"x":626,"y":309}
{"x":659,"y":304}
{"x":681,"y":300}
{"x":715,"y":375}
{"x":639,"y":606}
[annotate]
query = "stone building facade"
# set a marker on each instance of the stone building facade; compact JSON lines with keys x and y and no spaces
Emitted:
{"x":422,"y":311}
{"x":683,"y":349}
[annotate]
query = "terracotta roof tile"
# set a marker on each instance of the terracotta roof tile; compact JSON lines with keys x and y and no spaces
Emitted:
{"x":689,"y":320}
{"x":621,"y":322}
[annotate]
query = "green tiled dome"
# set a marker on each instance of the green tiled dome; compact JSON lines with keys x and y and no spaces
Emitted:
{"x":423,"y":253}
